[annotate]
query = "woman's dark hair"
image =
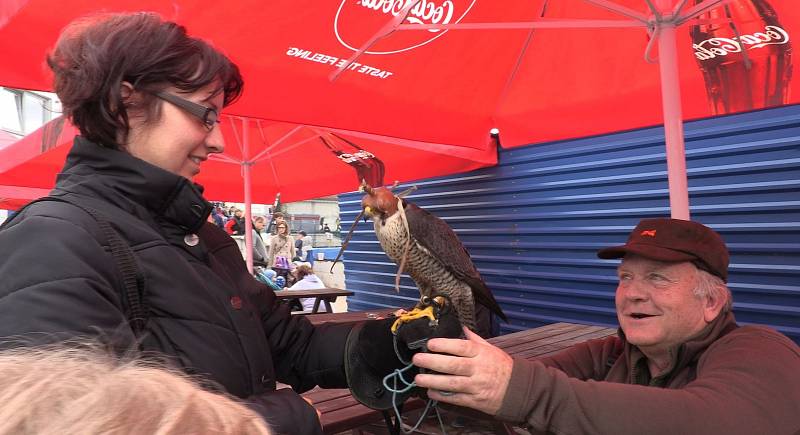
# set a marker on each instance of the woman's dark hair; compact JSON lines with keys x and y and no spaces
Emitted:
{"x":94,"y":55}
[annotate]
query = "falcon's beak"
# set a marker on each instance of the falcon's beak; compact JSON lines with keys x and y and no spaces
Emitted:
{"x":367,"y":212}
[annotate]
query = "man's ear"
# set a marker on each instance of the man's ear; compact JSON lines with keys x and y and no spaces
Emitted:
{"x":712,"y":305}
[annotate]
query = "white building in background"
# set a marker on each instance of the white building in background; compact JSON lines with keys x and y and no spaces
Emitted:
{"x":22,"y":112}
{"x":312,"y":216}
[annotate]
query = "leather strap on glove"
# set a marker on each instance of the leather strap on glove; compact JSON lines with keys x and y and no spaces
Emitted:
{"x":372,"y":351}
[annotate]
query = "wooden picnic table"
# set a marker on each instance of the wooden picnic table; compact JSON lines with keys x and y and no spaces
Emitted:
{"x":341,"y":412}
{"x":350,"y":316}
{"x":326,"y":295}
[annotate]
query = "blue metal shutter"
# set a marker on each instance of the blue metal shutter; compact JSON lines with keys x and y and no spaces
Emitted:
{"x":534,"y":222}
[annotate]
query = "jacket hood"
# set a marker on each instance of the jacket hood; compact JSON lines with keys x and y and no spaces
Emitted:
{"x":131,"y":184}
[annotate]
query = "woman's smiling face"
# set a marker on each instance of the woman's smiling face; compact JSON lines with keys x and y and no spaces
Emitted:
{"x":178,"y":141}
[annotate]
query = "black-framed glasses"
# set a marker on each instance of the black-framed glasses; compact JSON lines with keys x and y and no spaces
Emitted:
{"x":208,"y":115}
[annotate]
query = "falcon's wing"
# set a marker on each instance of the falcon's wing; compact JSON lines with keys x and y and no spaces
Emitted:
{"x":438,"y":238}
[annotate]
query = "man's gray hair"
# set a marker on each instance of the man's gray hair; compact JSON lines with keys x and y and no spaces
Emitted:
{"x":714,"y":286}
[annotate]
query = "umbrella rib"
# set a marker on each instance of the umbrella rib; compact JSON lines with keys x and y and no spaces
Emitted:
{"x":238,"y":140}
{"x":224,"y":158}
{"x":622,"y":10}
{"x":546,"y":23}
{"x":513,"y":74}
{"x":266,"y":152}
{"x":292,"y":146}
{"x":274,"y":144}
{"x":385,"y":31}
{"x":676,"y":11}
{"x":698,"y":9}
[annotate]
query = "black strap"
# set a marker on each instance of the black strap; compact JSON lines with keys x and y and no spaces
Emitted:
{"x":133,"y":291}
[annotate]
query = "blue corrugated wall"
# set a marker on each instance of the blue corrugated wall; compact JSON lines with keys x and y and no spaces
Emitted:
{"x":534,"y":222}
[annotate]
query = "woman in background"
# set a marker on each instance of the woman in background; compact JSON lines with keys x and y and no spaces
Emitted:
{"x":281,"y":250}
{"x":306,"y":280}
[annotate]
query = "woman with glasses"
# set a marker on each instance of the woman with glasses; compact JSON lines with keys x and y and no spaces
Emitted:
{"x":281,"y":250}
{"x":130,"y":259}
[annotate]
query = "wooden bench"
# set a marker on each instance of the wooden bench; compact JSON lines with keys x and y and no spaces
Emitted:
{"x":341,"y":412}
{"x":322,"y":295}
{"x":350,"y":316}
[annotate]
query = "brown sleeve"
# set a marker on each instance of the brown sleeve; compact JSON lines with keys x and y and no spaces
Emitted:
{"x":587,"y":360}
{"x":746,"y":383}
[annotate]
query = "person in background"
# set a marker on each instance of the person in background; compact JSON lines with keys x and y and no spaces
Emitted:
{"x":235,"y":225}
{"x":281,"y":250}
{"x":681,"y":363}
{"x":302,"y":245}
{"x":259,"y":249}
{"x":146,"y":98}
{"x":306,"y":280}
{"x":269,"y":277}
{"x":217,"y":217}
{"x":83,"y":390}
{"x":277,"y":218}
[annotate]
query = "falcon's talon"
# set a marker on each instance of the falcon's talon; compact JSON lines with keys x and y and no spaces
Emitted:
{"x":414,"y":314}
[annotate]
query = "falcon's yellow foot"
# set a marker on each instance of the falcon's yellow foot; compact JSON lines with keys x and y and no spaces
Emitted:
{"x":414,"y":314}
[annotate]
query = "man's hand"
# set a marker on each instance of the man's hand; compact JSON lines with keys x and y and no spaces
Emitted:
{"x":474,"y":371}
{"x":372,"y":352}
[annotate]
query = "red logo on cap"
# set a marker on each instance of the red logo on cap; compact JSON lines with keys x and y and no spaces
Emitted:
{"x":651,"y":233}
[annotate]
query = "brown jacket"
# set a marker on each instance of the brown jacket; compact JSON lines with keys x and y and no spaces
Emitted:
{"x":283,"y":246}
{"x":727,"y":380}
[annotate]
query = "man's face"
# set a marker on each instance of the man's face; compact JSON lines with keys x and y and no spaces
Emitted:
{"x":656,"y":306}
{"x":259,"y":224}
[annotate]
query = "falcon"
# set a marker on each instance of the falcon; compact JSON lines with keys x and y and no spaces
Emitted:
{"x":427,"y":249}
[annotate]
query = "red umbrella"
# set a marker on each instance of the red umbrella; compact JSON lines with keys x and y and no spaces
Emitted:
{"x":299,"y":162}
{"x":447,"y":71}
{"x":14,"y":197}
{"x":261,"y":159}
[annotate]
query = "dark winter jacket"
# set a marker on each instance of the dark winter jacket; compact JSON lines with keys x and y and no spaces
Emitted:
{"x":207,"y":315}
{"x":727,"y":380}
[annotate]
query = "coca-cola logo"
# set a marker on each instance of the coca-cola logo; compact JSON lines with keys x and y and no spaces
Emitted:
{"x":713,"y":47}
{"x":357,"y":21}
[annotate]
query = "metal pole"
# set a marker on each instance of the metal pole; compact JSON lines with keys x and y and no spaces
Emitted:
{"x":248,"y":219}
{"x":673,"y":116}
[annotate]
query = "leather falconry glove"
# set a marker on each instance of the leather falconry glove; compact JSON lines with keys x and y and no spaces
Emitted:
{"x":372,"y":351}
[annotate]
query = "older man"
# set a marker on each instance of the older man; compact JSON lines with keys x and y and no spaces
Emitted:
{"x":680,"y":364}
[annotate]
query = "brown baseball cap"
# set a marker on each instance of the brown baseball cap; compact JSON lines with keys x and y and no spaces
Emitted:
{"x":664,"y":239}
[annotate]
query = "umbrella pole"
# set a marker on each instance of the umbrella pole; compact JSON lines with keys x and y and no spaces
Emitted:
{"x":248,"y":202}
{"x":673,"y":118}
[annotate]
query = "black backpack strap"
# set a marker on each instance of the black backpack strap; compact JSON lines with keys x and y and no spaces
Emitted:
{"x":133,"y":291}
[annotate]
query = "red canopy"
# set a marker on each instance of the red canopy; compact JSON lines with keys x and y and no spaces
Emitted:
{"x":524,"y":75}
{"x":447,"y":71}
{"x":299,"y":162}
{"x":13,"y":197}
